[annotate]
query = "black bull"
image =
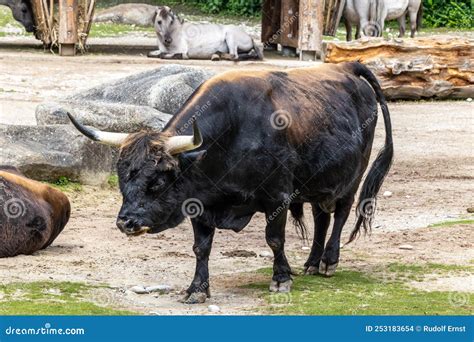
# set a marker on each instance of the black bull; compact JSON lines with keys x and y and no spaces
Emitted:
{"x":271,"y":141}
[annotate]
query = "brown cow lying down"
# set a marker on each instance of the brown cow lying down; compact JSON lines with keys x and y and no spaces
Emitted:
{"x":32,"y":214}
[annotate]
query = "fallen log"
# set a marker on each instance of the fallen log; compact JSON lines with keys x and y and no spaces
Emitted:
{"x":439,"y":67}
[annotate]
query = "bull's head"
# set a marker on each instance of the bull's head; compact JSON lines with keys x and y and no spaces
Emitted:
{"x":149,"y":176}
{"x":166,"y":25}
{"x":23,"y":13}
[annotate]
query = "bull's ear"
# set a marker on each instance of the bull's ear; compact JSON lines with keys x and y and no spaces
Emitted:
{"x":188,"y":158}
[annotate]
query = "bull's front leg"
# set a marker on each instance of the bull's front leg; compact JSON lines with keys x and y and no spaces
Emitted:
{"x":199,"y":289}
{"x":275,"y":236}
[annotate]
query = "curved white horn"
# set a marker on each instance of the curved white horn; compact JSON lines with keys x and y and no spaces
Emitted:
{"x":108,"y":138}
{"x":182,"y":143}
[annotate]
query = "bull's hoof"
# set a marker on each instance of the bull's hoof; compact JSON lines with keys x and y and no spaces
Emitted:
{"x":311,"y":270}
{"x":215,"y":57}
{"x":194,"y":298}
{"x":327,"y":270}
{"x":285,"y":286}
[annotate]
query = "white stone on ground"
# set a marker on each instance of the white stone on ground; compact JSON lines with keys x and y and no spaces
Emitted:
{"x":407,"y":247}
{"x":213,"y":308}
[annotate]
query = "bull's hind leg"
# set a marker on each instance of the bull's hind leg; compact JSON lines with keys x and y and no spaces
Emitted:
{"x":330,"y":257}
{"x":199,"y":289}
{"x":321,"y":224}
{"x":275,"y":236}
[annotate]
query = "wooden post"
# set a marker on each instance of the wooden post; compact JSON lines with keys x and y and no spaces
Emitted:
{"x":67,"y":27}
{"x":289,"y":27}
{"x":310,"y":28}
{"x":271,"y":10}
{"x":332,"y":16}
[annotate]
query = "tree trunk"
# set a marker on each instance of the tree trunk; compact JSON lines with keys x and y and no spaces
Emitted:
{"x":428,"y":67}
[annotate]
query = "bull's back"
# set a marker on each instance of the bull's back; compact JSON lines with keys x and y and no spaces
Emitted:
{"x":332,"y":129}
{"x":32,"y":214}
{"x":306,"y":118}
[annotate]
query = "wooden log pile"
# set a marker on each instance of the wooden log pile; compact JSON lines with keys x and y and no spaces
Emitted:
{"x":429,"y":67}
{"x":299,"y":24}
{"x":63,"y":23}
{"x":332,"y":16}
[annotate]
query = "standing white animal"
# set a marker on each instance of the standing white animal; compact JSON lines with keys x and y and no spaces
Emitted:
{"x":183,"y":40}
{"x":369,"y":16}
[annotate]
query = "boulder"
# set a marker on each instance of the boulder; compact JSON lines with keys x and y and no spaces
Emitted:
{"x":113,"y":117}
{"x":144,"y":100}
{"x":49,"y":152}
{"x":131,"y":14}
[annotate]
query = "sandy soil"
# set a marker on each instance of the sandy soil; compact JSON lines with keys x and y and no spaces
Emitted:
{"x":431,"y":181}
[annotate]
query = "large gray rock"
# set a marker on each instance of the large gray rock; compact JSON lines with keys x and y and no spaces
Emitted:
{"x":144,"y":100}
{"x":49,"y":152}
{"x":113,"y":117}
{"x":131,"y":14}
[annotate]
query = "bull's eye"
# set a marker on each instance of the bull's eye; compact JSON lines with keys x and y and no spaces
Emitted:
{"x":159,"y":22}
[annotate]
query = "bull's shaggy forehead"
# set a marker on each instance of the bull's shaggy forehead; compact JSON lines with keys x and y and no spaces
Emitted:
{"x":143,"y":147}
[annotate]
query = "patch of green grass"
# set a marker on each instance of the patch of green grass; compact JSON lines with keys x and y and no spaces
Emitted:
{"x":66,"y":185}
{"x":113,"y":181}
{"x":51,"y":298}
{"x":397,"y":272}
{"x":452,"y":223}
{"x":112,"y":30}
{"x":351,"y":292}
{"x":6,"y":18}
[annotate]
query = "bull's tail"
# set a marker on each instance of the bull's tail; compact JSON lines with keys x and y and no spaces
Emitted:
{"x":381,"y":165}
{"x":419,"y":17}
{"x":296,"y":210}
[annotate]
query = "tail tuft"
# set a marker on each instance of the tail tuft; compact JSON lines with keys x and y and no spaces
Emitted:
{"x":297,"y":212}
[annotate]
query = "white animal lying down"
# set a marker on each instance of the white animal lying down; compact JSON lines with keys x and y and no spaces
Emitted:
{"x":182,"y":40}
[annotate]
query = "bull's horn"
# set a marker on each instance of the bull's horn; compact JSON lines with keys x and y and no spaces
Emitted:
{"x":108,"y":138}
{"x":183,"y":143}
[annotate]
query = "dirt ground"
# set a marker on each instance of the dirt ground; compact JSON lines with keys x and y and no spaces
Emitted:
{"x":431,"y":181}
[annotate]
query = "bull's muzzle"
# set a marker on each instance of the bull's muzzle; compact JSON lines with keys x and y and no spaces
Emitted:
{"x":130,"y":227}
